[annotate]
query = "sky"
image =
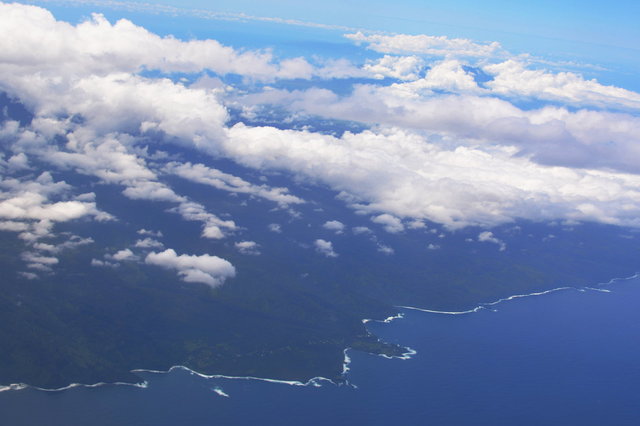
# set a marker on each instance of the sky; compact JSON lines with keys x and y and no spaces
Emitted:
{"x":603,"y":34}
{"x":611,"y":23}
{"x":406,"y":125}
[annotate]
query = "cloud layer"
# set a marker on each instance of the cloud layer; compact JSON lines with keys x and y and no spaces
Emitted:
{"x":448,"y":140}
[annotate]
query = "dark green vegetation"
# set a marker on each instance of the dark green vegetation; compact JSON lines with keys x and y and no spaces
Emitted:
{"x":290,"y":311}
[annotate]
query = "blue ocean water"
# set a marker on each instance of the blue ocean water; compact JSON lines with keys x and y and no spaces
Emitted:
{"x":569,"y":357}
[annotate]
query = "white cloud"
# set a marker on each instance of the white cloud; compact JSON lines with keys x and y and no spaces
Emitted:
{"x":120,"y":102}
{"x":432,"y":246}
{"x":325,"y":248}
{"x":213,"y":227}
{"x":477,"y":159}
{"x":596,"y":139}
{"x":206,"y":269}
{"x":488,"y":237}
{"x":274,"y":227}
{"x":447,"y":75}
{"x":35,"y":258}
{"x":152,"y":191}
{"x":400,"y":67}
{"x":358,"y":230}
{"x":39,"y":262}
{"x":226,"y":182}
{"x":148,"y":243}
{"x":404,"y":175}
{"x":74,"y":241}
{"x":390,"y":223}
{"x":426,"y":45}
{"x":104,"y":263}
{"x":513,"y":78}
{"x":8,"y":225}
{"x":335,"y":226}
{"x":33,"y":206}
{"x":385,"y":249}
{"x":98,"y":46}
{"x":18,"y":162}
{"x":151,"y":233}
{"x":416,"y":224}
{"x":124,"y":255}
{"x":28,"y":275}
{"x":248,"y":247}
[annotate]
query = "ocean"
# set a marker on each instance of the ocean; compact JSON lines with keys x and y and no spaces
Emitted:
{"x":567,"y":357}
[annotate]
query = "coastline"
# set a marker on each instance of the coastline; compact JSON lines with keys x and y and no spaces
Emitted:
{"x":318,"y":380}
{"x":488,"y":305}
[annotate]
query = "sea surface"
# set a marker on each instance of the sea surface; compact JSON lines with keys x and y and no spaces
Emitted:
{"x":568,"y":357}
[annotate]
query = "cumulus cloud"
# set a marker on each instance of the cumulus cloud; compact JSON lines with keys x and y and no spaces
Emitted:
{"x":359,"y":230}
{"x":416,"y":224}
{"x":385,"y":249}
{"x":98,"y":46}
{"x":400,"y":67}
{"x":425,"y":44}
{"x":274,"y":227}
{"x":206,"y":269}
{"x":113,"y":260}
{"x":150,"y":233}
{"x":124,"y":255}
{"x":104,"y":263}
{"x":213,"y":227}
{"x":325,"y":248}
{"x":31,"y":207}
{"x":148,"y":243}
{"x":449,"y":75}
{"x":18,"y":162}
{"x":36,"y":260}
{"x":113,"y":157}
{"x":405,"y":175}
{"x":488,"y":237}
{"x":335,"y":226}
{"x":590,"y":138}
{"x":72,"y":242}
{"x":28,"y":200}
{"x":248,"y":247}
{"x":513,"y":78}
{"x":227,"y":182}
{"x":390,"y":223}
{"x":9,"y":225}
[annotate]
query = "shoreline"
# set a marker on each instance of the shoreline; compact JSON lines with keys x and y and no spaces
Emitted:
{"x":488,"y":305}
{"x":318,"y":380}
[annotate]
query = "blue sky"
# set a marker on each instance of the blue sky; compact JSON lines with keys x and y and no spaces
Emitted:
{"x":599,"y":33}
{"x":610,"y":23}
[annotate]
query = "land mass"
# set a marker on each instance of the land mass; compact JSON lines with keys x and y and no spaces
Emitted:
{"x":290,"y":311}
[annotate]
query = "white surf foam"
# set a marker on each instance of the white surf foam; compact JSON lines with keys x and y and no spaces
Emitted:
{"x":22,"y":386}
{"x":220,"y":392}
{"x":431,"y":311}
{"x":386,"y":320}
{"x":406,"y":355}
{"x":488,"y":305}
{"x":315,"y":381}
{"x":346,"y":362}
